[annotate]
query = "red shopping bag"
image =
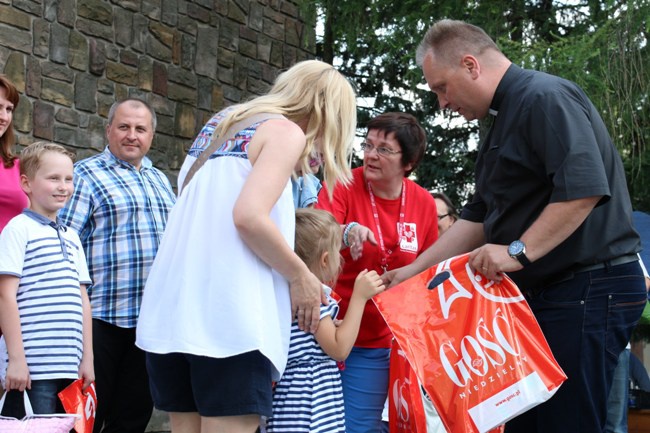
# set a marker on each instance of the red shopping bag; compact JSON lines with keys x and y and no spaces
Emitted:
{"x":405,"y":408}
{"x":474,"y":345}
{"x":83,"y":404}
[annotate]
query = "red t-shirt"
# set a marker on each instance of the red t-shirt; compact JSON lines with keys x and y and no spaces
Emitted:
{"x":352,"y":203}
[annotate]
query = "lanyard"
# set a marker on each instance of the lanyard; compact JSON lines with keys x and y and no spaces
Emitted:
{"x":400,"y":226}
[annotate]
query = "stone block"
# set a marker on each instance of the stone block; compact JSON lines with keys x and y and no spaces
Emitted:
{"x":66,"y":12}
{"x":182,"y":76}
{"x":122,"y":73}
{"x":204,"y":87}
{"x":169,"y":12}
{"x":217,"y":99}
{"x":229,"y":35}
{"x":14,"y":69}
{"x":123,"y":25}
{"x":57,"y":72}
{"x":226,"y":75}
{"x":277,"y":54}
{"x":161,"y":104}
{"x":85,"y":92}
{"x":162,"y":33}
{"x":293,"y":32}
{"x":23,"y":119}
{"x":183,"y":94}
{"x":95,"y":133}
{"x":185,"y":121}
{"x":97,"y":51}
{"x":15,"y":17}
{"x":165,"y":124}
{"x":145,"y":73}
{"x":67,"y":116}
{"x":273,"y":29}
{"x":95,"y":28}
{"x":206,"y":52}
{"x":151,"y":9}
{"x":57,"y":91}
{"x":289,"y":55}
{"x":256,"y":18}
{"x":158,"y":50}
{"x":238,"y":13}
{"x":104,"y":103}
{"x":132,"y":5}
{"x":198,"y":13}
{"x":232,"y":94}
{"x":50,"y":9}
{"x":33,"y":78}
{"x":105,"y":86}
{"x":96,"y":10}
{"x":226,"y":57}
{"x":289,"y":8}
{"x":43,"y":120}
{"x":15,"y":39}
{"x":41,"y":46}
{"x":78,"y":51}
{"x":264,"y":48}
{"x":30,"y":6}
{"x":65,"y":135}
{"x":159,"y":78}
{"x":188,"y":51}
{"x":248,"y":49}
{"x":187,"y":25}
{"x":247,"y":33}
{"x":140,"y":33}
{"x":59,"y":38}
{"x":129,"y":58}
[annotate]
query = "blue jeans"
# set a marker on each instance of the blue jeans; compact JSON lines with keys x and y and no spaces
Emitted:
{"x":365,"y":388}
{"x":587,"y":320}
{"x":618,"y":396}
{"x":42,"y":396}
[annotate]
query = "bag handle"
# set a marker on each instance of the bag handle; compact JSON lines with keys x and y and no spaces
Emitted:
{"x":217,"y":141}
{"x":28,"y":405}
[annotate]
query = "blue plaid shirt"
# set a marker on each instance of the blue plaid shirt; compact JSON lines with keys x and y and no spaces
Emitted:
{"x":120,"y":214}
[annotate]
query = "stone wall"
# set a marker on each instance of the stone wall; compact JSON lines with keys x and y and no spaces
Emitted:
{"x":71,"y":59}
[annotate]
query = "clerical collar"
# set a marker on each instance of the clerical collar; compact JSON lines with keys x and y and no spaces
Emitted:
{"x":56,"y":225}
{"x":511,"y":75}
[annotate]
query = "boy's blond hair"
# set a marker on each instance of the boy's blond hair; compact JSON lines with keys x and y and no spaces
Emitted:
{"x":317,"y":231}
{"x":32,"y":155}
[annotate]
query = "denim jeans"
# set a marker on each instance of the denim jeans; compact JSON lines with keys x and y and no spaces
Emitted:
{"x":42,"y":396}
{"x":365,"y":388}
{"x":618,"y":396}
{"x":587,"y":320}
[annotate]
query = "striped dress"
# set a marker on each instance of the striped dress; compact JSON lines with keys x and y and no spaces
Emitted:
{"x":309,"y":397}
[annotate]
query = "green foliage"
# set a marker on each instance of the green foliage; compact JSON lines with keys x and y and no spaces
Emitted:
{"x":601,"y":45}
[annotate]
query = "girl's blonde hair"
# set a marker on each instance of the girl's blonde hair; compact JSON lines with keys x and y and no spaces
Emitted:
{"x":315,"y":91}
{"x":317,"y":232}
{"x":32,"y":155}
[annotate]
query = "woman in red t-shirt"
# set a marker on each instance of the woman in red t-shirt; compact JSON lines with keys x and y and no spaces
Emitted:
{"x":387,"y":220}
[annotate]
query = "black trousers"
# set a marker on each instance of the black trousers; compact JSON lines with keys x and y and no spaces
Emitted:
{"x":124,"y":402}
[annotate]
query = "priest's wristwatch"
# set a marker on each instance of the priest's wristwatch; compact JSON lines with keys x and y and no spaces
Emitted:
{"x":517,"y":250}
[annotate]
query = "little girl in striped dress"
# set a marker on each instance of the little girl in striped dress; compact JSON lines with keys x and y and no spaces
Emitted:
{"x":309,"y":396}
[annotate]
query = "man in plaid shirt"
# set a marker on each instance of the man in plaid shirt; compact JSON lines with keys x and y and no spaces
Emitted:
{"x":119,"y":208}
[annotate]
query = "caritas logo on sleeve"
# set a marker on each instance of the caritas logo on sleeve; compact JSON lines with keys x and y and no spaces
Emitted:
{"x":473,"y":344}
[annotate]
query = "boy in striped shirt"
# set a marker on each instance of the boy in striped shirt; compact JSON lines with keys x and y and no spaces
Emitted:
{"x":44,"y":308}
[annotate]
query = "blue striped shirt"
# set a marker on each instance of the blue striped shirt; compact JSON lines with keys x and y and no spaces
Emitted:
{"x":120,"y":214}
{"x":51,"y":265}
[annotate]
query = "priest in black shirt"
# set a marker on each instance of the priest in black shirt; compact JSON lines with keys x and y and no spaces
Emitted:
{"x":551,"y":209}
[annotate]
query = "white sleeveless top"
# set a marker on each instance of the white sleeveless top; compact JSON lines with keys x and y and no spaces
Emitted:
{"x":208,"y":293}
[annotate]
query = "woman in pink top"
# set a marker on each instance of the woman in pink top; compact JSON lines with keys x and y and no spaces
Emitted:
{"x":12,"y":198}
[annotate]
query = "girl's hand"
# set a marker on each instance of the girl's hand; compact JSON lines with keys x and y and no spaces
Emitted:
{"x":368,"y":284}
{"x":18,"y":376}
{"x":87,"y":373}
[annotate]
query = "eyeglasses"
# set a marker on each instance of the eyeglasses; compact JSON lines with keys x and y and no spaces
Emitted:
{"x":381,"y":151}
{"x":442,"y":216}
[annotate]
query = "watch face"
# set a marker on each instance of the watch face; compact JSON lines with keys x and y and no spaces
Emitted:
{"x":516,"y":248}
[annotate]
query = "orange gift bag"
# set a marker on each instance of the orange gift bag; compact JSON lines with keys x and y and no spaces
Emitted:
{"x":474,"y":346}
